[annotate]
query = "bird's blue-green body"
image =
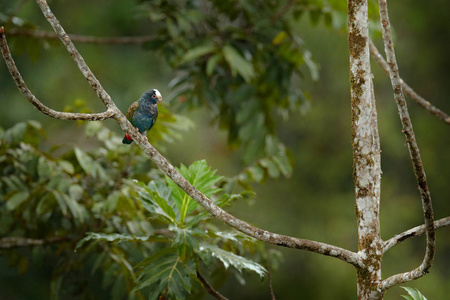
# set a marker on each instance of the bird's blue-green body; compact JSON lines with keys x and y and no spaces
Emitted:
{"x":143,"y":113}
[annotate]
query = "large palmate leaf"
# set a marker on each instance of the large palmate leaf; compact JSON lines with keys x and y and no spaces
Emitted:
{"x":156,"y":198}
{"x":230,"y":259}
{"x":165,"y":274}
{"x":200,"y":175}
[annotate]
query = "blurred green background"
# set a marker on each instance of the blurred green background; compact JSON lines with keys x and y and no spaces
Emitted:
{"x":317,"y":202}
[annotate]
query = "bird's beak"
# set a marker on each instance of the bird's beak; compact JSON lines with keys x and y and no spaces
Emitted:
{"x":159,"y":99}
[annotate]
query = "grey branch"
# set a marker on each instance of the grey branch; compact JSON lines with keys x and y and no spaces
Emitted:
{"x":119,"y":40}
{"x":260,"y":234}
{"x":87,"y":73}
{"x":416,"y":231}
{"x":409,"y":90}
{"x":15,"y":74}
{"x":415,"y":157}
{"x":16,"y":242}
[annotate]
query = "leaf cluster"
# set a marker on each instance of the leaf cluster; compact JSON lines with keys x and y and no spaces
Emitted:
{"x":143,"y":235}
{"x":241,"y":60}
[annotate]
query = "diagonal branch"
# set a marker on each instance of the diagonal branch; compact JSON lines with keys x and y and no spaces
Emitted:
{"x":33,"y":100}
{"x":415,"y":157}
{"x":407,"y":89}
{"x":85,"y":70}
{"x":209,"y":288}
{"x":258,"y":233}
{"x":416,"y":231}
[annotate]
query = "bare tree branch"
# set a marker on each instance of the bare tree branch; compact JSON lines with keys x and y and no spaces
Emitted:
{"x":416,"y":231}
{"x":407,"y":89}
{"x":209,"y":288}
{"x":16,"y":242}
{"x":260,"y":234}
{"x":15,"y":74}
{"x":415,"y":157}
{"x":119,"y":40}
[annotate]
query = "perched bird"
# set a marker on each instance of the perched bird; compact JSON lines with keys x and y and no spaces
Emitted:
{"x":143,"y":113}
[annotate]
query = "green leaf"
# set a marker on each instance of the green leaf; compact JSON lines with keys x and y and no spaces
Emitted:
{"x":89,"y":165}
{"x":256,"y":173}
{"x":156,"y":198}
{"x":112,"y":238}
{"x":92,"y":128}
{"x":238,"y":63}
{"x":66,"y":166}
{"x":64,"y":201}
{"x":212,"y":63}
{"x":271,"y":167}
{"x":197,"y":52}
{"x":200,"y":175}
{"x":414,"y":294}
{"x":230,"y":259}
{"x":165,"y":274}
{"x":86,"y":162}
{"x":185,"y":243}
{"x":16,"y":200}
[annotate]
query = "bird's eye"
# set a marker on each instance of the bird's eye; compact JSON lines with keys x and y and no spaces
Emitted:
{"x":154,"y":96}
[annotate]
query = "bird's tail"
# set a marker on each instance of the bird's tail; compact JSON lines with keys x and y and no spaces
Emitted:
{"x":127,"y":139}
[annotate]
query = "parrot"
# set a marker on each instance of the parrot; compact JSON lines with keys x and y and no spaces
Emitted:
{"x":143,"y":113}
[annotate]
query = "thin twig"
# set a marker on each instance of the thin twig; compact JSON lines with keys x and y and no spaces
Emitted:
{"x":255,"y":232}
{"x":16,"y":242}
{"x":272,"y":294}
{"x":416,"y":231}
{"x":209,"y":288}
{"x":33,"y":100}
{"x":415,"y":158}
{"x":119,"y":40}
{"x":407,"y":89}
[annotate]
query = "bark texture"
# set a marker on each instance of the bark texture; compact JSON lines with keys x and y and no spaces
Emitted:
{"x":366,"y":152}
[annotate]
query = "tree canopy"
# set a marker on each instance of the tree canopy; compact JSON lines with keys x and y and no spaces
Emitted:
{"x":255,"y":89}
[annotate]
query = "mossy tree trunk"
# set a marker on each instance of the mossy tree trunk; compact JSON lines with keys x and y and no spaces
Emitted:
{"x":366,"y":153}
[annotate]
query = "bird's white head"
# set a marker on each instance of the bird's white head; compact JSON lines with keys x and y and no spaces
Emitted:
{"x":158,"y":95}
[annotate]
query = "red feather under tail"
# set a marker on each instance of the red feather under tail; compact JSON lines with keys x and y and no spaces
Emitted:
{"x":128,"y":137}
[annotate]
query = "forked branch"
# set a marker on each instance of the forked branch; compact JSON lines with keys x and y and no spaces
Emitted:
{"x":415,"y":158}
{"x":407,"y":89}
{"x":416,"y":231}
{"x":255,"y":232}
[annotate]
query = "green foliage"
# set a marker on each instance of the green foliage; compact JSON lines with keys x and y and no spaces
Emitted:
{"x":137,"y":229}
{"x":239,"y":60}
{"x":414,"y":294}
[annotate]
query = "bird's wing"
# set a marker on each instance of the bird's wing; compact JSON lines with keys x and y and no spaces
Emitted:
{"x":131,"y":110}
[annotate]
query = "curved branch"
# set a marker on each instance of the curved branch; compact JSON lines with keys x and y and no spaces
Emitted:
{"x":15,"y":74}
{"x":255,"y":232}
{"x":415,"y":157}
{"x":119,"y":40}
{"x":407,"y":89}
{"x":416,"y":231}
